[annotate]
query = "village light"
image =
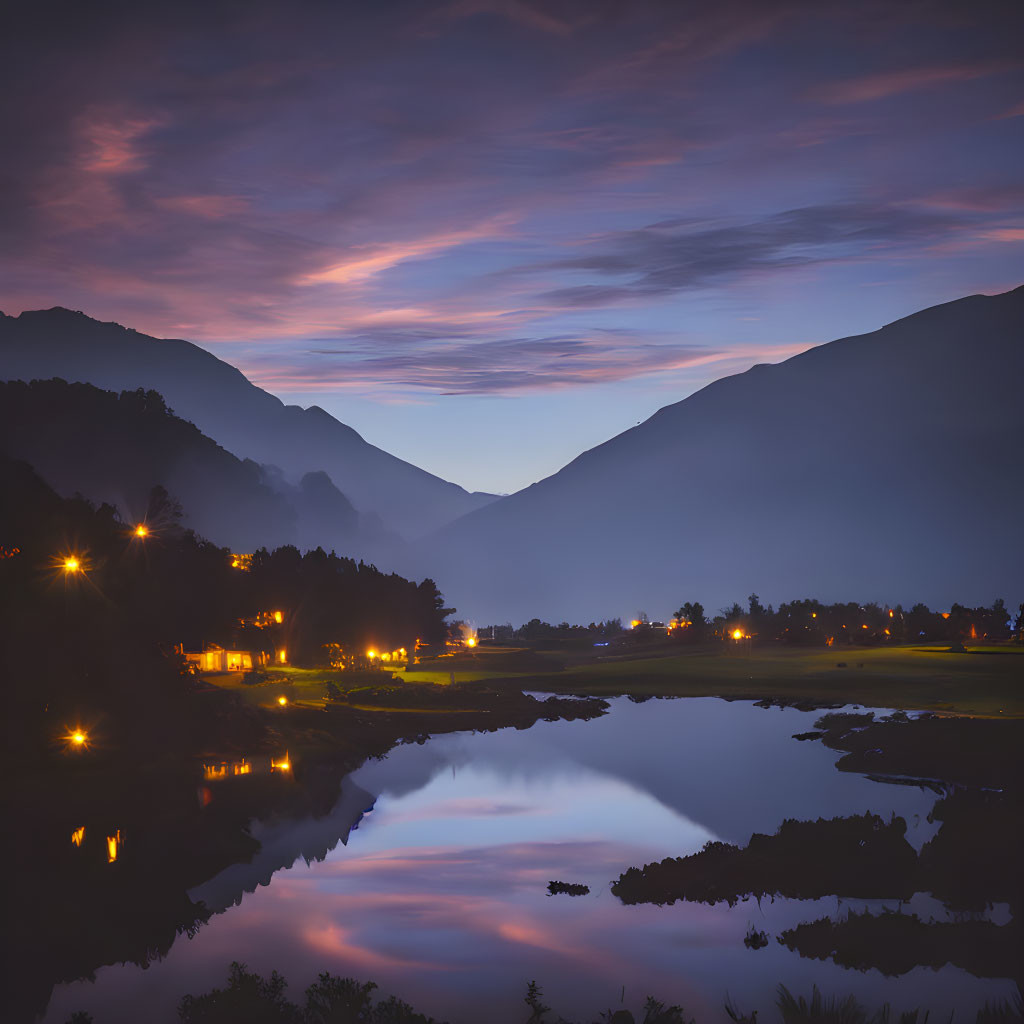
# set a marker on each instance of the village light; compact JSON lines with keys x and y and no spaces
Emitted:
{"x":278,"y":617}
{"x":142,"y":530}
{"x":737,"y":634}
{"x":77,"y":739}
{"x":282,"y":701}
{"x":371,"y":654}
{"x":471,"y":642}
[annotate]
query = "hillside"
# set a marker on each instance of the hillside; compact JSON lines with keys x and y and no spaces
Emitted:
{"x":246,"y":420}
{"x":885,"y":466}
{"x":116,"y":448}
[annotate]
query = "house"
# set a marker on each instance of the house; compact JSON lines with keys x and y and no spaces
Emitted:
{"x":216,"y":659}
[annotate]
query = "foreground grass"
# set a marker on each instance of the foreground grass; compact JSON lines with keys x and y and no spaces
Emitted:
{"x":251,"y":998}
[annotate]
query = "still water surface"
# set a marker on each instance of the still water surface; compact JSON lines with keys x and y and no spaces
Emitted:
{"x":438,"y":858}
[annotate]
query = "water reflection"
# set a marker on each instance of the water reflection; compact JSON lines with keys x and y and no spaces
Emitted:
{"x":429,"y":874}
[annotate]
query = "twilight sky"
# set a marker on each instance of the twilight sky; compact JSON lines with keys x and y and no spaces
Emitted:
{"x":490,"y":234}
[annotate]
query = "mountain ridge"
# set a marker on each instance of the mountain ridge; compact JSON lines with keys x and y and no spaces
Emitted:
{"x":218,"y":398}
{"x":933,"y":400}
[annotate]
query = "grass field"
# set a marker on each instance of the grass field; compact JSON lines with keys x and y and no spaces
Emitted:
{"x":983,"y":681}
{"x":986,"y":681}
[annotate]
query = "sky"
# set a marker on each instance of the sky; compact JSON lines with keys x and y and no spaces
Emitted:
{"x":490,"y":234}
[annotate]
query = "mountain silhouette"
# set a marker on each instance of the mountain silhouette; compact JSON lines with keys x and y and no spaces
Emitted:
{"x":117,"y":448}
{"x":392,"y":495}
{"x":885,"y":466}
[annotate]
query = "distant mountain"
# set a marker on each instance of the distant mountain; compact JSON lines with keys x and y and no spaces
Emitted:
{"x":116,"y":448}
{"x":247,"y":421}
{"x":887,"y":466}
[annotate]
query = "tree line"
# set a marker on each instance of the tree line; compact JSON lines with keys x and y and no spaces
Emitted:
{"x":93,"y":608}
{"x":813,"y":622}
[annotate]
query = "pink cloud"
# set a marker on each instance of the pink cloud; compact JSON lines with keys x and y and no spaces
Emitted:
{"x":212,"y":207}
{"x":1004,"y":235}
{"x":111,"y":143}
{"x":366,"y":263}
{"x":983,"y":199}
{"x":334,"y":941}
{"x":1016,"y":111}
{"x":891,"y":83}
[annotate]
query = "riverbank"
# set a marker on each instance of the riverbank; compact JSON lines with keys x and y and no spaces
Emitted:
{"x":986,"y":681}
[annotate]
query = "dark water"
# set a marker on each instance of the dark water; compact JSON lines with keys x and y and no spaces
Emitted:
{"x":436,"y":862}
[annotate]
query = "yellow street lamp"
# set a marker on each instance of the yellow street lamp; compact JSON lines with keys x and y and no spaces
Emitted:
{"x":77,"y":739}
{"x":141,"y":531}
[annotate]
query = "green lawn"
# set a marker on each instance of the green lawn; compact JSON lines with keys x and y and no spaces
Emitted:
{"x":984,"y":681}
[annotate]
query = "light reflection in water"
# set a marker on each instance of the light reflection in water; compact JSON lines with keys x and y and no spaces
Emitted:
{"x":113,"y":846}
{"x":440,"y":895}
{"x":78,"y":836}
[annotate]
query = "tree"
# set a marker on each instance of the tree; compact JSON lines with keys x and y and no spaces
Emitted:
{"x":692,"y":612}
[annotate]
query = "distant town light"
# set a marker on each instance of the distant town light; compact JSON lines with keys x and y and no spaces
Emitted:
{"x":282,"y":701}
{"x":278,"y":617}
{"x":737,"y":634}
{"x":371,"y":654}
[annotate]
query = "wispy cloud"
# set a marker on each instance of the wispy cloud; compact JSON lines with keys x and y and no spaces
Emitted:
{"x":367,"y":262}
{"x":674,"y":255}
{"x":880,"y":85}
{"x":495,"y":196}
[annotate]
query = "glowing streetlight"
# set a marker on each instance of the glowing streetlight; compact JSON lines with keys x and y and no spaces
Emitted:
{"x":72,"y":565}
{"x":371,"y":654}
{"x":471,"y":642}
{"x":77,"y":739}
{"x":278,"y":617}
{"x":141,"y":531}
{"x":737,"y":634}
{"x":282,"y":701}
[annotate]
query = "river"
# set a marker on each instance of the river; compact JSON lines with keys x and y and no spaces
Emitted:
{"x":429,"y":876}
